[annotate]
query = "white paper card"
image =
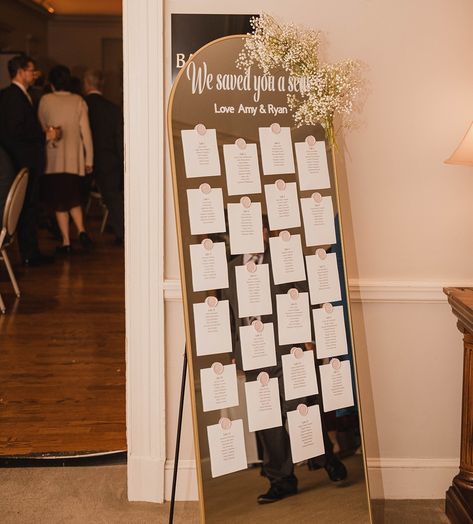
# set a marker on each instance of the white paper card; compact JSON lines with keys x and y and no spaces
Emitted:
{"x":324,"y":281}
{"x":212,"y":328}
{"x":219,"y":387}
{"x":276,"y":150}
{"x":319,"y":221}
{"x":206,"y":211}
{"x":299,"y":375}
{"x":245,"y":225}
{"x":253,"y":291}
{"x":209,"y":267}
{"x":305,"y":434}
{"x":330,"y":334}
{"x":286,"y":258}
{"x":258,"y":348}
{"x":227,"y":448}
{"x":200,"y":153}
{"x":312,"y":166}
{"x":263,"y":405}
{"x":293,"y":319}
{"x":283,"y":206}
{"x":336,"y":384}
{"x":242,"y":169}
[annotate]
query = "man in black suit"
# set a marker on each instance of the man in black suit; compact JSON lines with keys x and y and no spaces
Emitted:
{"x":106,"y":123}
{"x":24,"y":140}
{"x":7,"y":175}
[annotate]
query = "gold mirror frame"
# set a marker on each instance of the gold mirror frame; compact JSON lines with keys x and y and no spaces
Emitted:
{"x":184,"y":112}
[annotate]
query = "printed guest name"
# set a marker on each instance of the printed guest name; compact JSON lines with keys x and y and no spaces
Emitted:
{"x":269,"y":109}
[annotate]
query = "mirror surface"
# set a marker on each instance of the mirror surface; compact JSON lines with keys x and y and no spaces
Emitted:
{"x":235,"y":114}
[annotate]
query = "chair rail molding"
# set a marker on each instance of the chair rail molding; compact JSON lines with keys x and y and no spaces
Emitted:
{"x":143,"y":43}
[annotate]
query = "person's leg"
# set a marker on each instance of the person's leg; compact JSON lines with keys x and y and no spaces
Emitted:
{"x":110,"y":186}
{"x":26,"y":231}
{"x":78,"y":218}
{"x":62,"y":218}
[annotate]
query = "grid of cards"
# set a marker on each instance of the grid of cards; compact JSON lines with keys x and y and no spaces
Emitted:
{"x":253,"y":288}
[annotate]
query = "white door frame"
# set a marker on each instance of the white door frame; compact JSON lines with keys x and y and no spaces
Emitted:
{"x":143,"y":39}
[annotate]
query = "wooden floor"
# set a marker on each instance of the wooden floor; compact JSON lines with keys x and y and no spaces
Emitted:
{"x":62,"y":353}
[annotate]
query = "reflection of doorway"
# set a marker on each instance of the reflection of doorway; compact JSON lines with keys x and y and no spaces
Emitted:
{"x":112,"y":66}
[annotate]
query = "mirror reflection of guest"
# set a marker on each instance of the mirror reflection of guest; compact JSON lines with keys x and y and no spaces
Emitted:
{"x":277,"y":464}
{"x":69,"y":156}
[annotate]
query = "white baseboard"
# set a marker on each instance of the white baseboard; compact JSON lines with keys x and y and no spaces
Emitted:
{"x":411,"y":478}
{"x":186,"y":486}
{"x":145,"y":479}
{"x":391,"y":479}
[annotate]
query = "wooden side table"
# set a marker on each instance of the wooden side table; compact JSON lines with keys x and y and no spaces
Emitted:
{"x":459,"y":502}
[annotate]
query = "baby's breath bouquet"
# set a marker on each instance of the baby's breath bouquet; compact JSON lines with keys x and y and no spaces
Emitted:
{"x":329,"y":90}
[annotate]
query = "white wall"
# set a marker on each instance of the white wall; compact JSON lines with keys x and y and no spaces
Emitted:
{"x":407,"y":225}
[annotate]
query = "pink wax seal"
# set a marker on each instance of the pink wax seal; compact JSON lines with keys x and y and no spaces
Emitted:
{"x":251,"y":266}
{"x":321,"y":253}
{"x":336,"y":364}
{"x":297,"y":352}
{"x":208,"y":244}
{"x":240,"y":143}
{"x":317,"y":197}
{"x":263,"y":378}
{"x":328,"y":308}
{"x":310,"y":140}
{"x":285,"y":235}
{"x":201,"y":129}
{"x":276,"y":128}
{"x":211,"y":301}
{"x":205,"y":188}
{"x":245,"y":202}
{"x":258,"y":325}
{"x":281,"y":185}
{"x":303,"y":410}
{"x":225,"y":423}
{"x":293,"y":293}
{"x":217,"y":368}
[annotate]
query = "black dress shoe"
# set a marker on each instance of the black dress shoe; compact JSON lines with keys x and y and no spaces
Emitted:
{"x":276,"y":493}
{"x":335,"y":469}
{"x":85,"y":240}
{"x":64,"y":250}
{"x":38,"y":260}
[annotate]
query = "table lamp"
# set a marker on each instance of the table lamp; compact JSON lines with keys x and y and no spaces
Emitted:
{"x":463,"y":154}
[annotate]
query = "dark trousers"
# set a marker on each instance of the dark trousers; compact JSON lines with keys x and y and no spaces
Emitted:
{"x":26,"y":230}
{"x":110,"y":185}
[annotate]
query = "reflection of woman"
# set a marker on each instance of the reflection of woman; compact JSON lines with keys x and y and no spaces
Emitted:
{"x":68,"y":156}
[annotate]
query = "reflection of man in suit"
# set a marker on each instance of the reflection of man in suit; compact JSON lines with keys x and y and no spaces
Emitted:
{"x":277,"y":463}
{"x":22,"y":137}
{"x":106,"y":123}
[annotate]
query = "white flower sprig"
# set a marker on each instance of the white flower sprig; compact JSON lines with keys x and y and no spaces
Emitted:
{"x":330,"y":90}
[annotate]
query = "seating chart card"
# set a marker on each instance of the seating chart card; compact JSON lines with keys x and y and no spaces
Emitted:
{"x":283,"y":205}
{"x":336,"y":384}
{"x":200,"y":152}
{"x":319,"y":223}
{"x":276,"y":150}
{"x":287,"y":260}
{"x":219,"y":386}
{"x":312,"y":164}
{"x":245,"y":225}
{"x":262,"y":403}
{"x":305,"y":433}
{"x":209,"y":265}
{"x":258,"y":349}
{"x":206,"y":210}
{"x":227,"y":447}
{"x":253,"y":290}
{"x":242,"y":168}
{"x":299,"y":374}
{"x":293,"y":317}
{"x":212,"y":327}
{"x":324,"y":280}
{"x":330,"y":334}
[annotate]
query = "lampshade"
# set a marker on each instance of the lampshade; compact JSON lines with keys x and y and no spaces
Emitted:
{"x":463,"y":154}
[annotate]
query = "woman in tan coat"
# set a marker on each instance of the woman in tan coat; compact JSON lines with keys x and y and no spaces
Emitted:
{"x":68,"y":157}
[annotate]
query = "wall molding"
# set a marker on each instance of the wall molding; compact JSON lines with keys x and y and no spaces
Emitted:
{"x":186,"y":487}
{"x":366,"y":291}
